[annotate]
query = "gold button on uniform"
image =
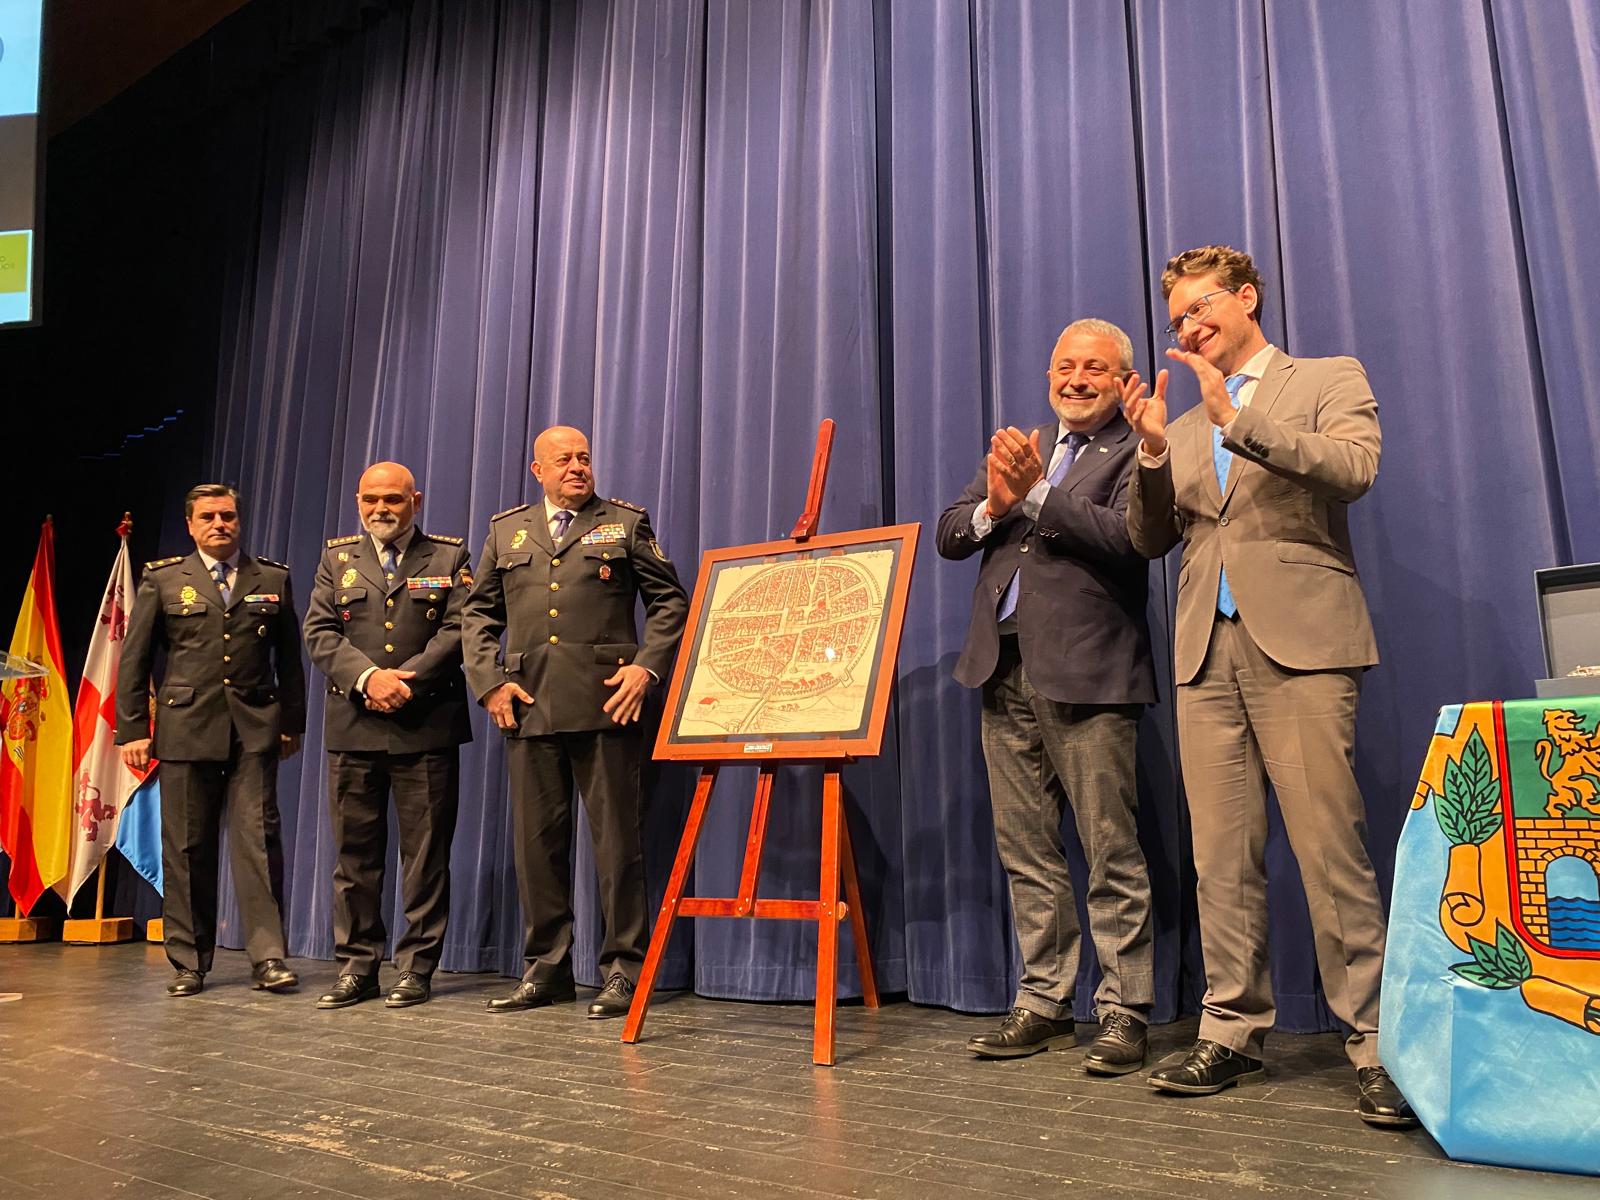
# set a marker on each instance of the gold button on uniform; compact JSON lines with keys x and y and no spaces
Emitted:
{"x":227,"y":637}
{"x":389,"y":603}
{"x":555,"y":612}
{"x":555,"y":562}
{"x":227,"y":658}
{"x":389,"y":649}
{"x":226,"y":682}
{"x":388,"y":624}
{"x":555,"y":587}
{"x":1024,"y":550}
{"x":554,"y":639}
{"x":622,"y":662}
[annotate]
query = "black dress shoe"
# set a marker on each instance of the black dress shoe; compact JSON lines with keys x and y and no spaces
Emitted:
{"x":1208,"y":1067}
{"x":410,"y":989}
{"x":270,"y":975}
{"x":188,"y":983}
{"x":614,"y":998}
{"x":1381,"y":1103}
{"x":1023,"y":1033}
{"x":350,"y":989}
{"x":1120,"y":1047}
{"x":533,"y":995}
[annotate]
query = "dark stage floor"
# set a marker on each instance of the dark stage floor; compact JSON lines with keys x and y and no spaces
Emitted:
{"x":109,"y":1088}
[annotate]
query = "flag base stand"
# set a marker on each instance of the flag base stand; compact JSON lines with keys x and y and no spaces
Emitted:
{"x":25,"y":929}
{"x":98,"y":931}
{"x":154,"y":931}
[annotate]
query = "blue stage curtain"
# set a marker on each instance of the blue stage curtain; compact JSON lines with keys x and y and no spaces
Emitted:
{"x":696,"y":227}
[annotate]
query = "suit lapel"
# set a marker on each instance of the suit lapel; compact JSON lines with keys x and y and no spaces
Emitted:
{"x":1098,"y":453}
{"x":194,"y":570}
{"x":365,"y":560}
{"x":244,"y":580}
{"x":585,"y":519}
{"x":1202,"y":447}
{"x":1279,"y":367}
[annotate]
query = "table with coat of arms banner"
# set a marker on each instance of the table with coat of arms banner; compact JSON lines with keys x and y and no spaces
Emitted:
{"x":1491,"y":982}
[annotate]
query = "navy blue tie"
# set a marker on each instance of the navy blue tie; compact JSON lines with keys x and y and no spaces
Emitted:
{"x":563,"y":519}
{"x":219,"y":572}
{"x":1075,"y":444}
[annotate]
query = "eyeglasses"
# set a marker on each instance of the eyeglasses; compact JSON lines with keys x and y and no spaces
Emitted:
{"x":1200,"y":308}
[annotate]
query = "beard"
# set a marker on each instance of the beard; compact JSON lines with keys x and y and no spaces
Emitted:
{"x":384,"y":526}
{"x":1075,"y":408}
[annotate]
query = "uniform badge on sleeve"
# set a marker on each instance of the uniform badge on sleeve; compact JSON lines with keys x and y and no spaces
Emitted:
{"x":655,"y":548}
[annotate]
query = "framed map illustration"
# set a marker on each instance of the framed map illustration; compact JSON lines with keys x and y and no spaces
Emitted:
{"x":790,"y":648}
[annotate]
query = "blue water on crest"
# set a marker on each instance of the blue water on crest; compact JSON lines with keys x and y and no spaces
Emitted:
{"x":1574,"y":923}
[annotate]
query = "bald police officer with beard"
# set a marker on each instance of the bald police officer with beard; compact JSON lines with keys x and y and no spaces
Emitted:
{"x":384,"y":626}
{"x":560,"y":579}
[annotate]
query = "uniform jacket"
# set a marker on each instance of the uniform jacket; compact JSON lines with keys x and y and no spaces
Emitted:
{"x":1081,"y":606}
{"x":355,"y":619}
{"x":227,"y":671}
{"x":568,"y":614}
{"x":1304,"y":448}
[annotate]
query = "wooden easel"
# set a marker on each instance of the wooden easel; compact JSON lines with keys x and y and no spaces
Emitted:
{"x":837,"y":859}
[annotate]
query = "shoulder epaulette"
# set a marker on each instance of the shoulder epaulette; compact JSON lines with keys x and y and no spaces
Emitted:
{"x":163,"y":562}
{"x":508,"y":512}
{"x":344,"y":541}
{"x":625,"y":504}
{"x":445,"y":538}
{"x":272,"y":562}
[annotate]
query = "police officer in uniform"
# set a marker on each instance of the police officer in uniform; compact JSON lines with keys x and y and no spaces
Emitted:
{"x":559,"y":580}
{"x":384,"y":625}
{"x":230,"y":704}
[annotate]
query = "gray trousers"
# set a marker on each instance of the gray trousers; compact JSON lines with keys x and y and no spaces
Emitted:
{"x":1242,"y":721}
{"x":1044,"y":757}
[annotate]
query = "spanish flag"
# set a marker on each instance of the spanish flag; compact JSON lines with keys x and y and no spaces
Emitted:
{"x":36,"y":743}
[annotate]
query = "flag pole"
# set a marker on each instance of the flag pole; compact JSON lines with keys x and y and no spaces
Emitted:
{"x":102,"y":930}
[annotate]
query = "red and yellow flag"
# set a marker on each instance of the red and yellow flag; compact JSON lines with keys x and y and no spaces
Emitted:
{"x":36,"y":743}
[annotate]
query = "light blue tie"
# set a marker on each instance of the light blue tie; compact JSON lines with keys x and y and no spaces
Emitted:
{"x":1222,"y":459}
{"x":219,"y":572}
{"x":389,"y":562}
{"x":1075,"y":444}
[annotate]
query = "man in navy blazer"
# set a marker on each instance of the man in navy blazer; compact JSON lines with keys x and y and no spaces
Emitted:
{"x":1059,"y":645}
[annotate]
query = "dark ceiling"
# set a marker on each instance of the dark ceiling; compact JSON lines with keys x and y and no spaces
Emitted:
{"x":96,"y":48}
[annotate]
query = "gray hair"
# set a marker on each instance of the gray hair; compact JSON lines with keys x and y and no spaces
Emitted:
{"x":1106,"y":329}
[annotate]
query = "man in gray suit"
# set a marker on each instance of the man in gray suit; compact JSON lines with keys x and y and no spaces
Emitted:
{"x":1272,"y":636}
{"x":384,"y":625}
{"x":1059,"y":645}
{"x":231,"y":703}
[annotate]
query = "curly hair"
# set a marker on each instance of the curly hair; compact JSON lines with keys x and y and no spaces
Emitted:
{"x":1233,"y":269}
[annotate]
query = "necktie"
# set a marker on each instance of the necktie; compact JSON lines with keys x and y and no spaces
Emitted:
{"x":563,"y":519}
{"x":1221,"y":460}
{"x":1075,"y":444}
{"x":390,"y":563}
{"x":219,"y":572}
